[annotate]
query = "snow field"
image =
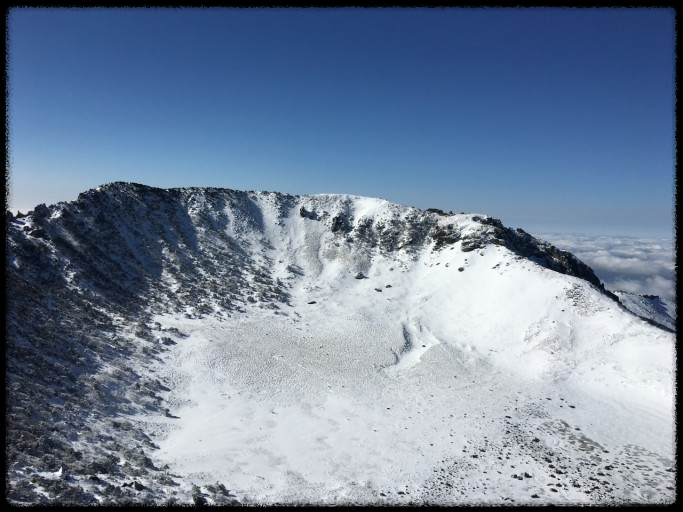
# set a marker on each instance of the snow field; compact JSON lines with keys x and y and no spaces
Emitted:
{"x":433,"y":379}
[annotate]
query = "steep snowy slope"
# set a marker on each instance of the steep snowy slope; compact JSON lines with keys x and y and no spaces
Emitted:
{"x":319,"y":349}
{"x":651,"y":308}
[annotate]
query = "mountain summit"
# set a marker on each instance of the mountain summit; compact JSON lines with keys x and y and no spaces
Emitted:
{"x":216,"y":346}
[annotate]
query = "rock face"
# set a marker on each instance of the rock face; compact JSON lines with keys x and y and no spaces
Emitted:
{"x":80,"y":274}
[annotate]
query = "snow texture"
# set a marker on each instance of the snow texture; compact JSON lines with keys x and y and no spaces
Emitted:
{"x":213,"y":346}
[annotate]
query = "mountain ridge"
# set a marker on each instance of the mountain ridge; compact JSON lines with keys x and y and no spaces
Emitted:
{"x":442,"y":233}
{"x":97,"y":286}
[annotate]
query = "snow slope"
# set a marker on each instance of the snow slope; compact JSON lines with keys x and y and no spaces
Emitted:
{"x":336,"y":349}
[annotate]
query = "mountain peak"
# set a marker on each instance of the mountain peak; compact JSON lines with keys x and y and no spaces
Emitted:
{"x":137,"y":314}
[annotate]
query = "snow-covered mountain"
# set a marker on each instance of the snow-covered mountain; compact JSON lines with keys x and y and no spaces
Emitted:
{"x":219,"y":346}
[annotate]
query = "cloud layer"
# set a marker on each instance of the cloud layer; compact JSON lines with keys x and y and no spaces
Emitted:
{"x":636,"y":265}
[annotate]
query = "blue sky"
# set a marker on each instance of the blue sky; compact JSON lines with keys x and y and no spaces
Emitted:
{"x":549,"y":119}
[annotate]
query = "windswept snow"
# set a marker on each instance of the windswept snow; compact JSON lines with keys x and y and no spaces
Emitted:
{"x":334,"y":349}
{"x":362,"y":395}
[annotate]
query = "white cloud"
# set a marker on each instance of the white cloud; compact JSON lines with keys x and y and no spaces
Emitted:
{"x":636,"y":265}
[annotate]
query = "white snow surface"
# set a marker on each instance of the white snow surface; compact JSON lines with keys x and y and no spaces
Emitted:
{"x":420,"y":383}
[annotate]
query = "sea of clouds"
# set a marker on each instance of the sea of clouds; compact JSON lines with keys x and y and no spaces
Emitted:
{"x":637,"y":265}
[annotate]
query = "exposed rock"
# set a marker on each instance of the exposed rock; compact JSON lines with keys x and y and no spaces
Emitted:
{"x":341,"y":224}
{"x":308,"y":215}
{"x":41,"y":211}
{"x":199,"y":500}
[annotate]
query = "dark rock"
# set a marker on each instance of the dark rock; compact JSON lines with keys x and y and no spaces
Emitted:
{"x":444,"y":235}
{"x":341,"y":224}
{"x":41,"y":211}
{"x":138,"y":486}
{"x":490,"y":221}
{"x":313,"y":302}
{"x":39,"y":233}
{"x":461,"y":269}
{"x":308,"y":215}
{"x":198,"y":500}
{"x":360,"y":276}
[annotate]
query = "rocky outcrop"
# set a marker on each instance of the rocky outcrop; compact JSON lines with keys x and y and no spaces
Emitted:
{"x":526,"y":246}
{"x":341,"y":224}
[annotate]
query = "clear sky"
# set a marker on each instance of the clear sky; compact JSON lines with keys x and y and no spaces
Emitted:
{"x":554,"y":119}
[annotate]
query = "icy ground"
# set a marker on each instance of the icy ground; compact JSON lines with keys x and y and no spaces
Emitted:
{"x":260,"y":348}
